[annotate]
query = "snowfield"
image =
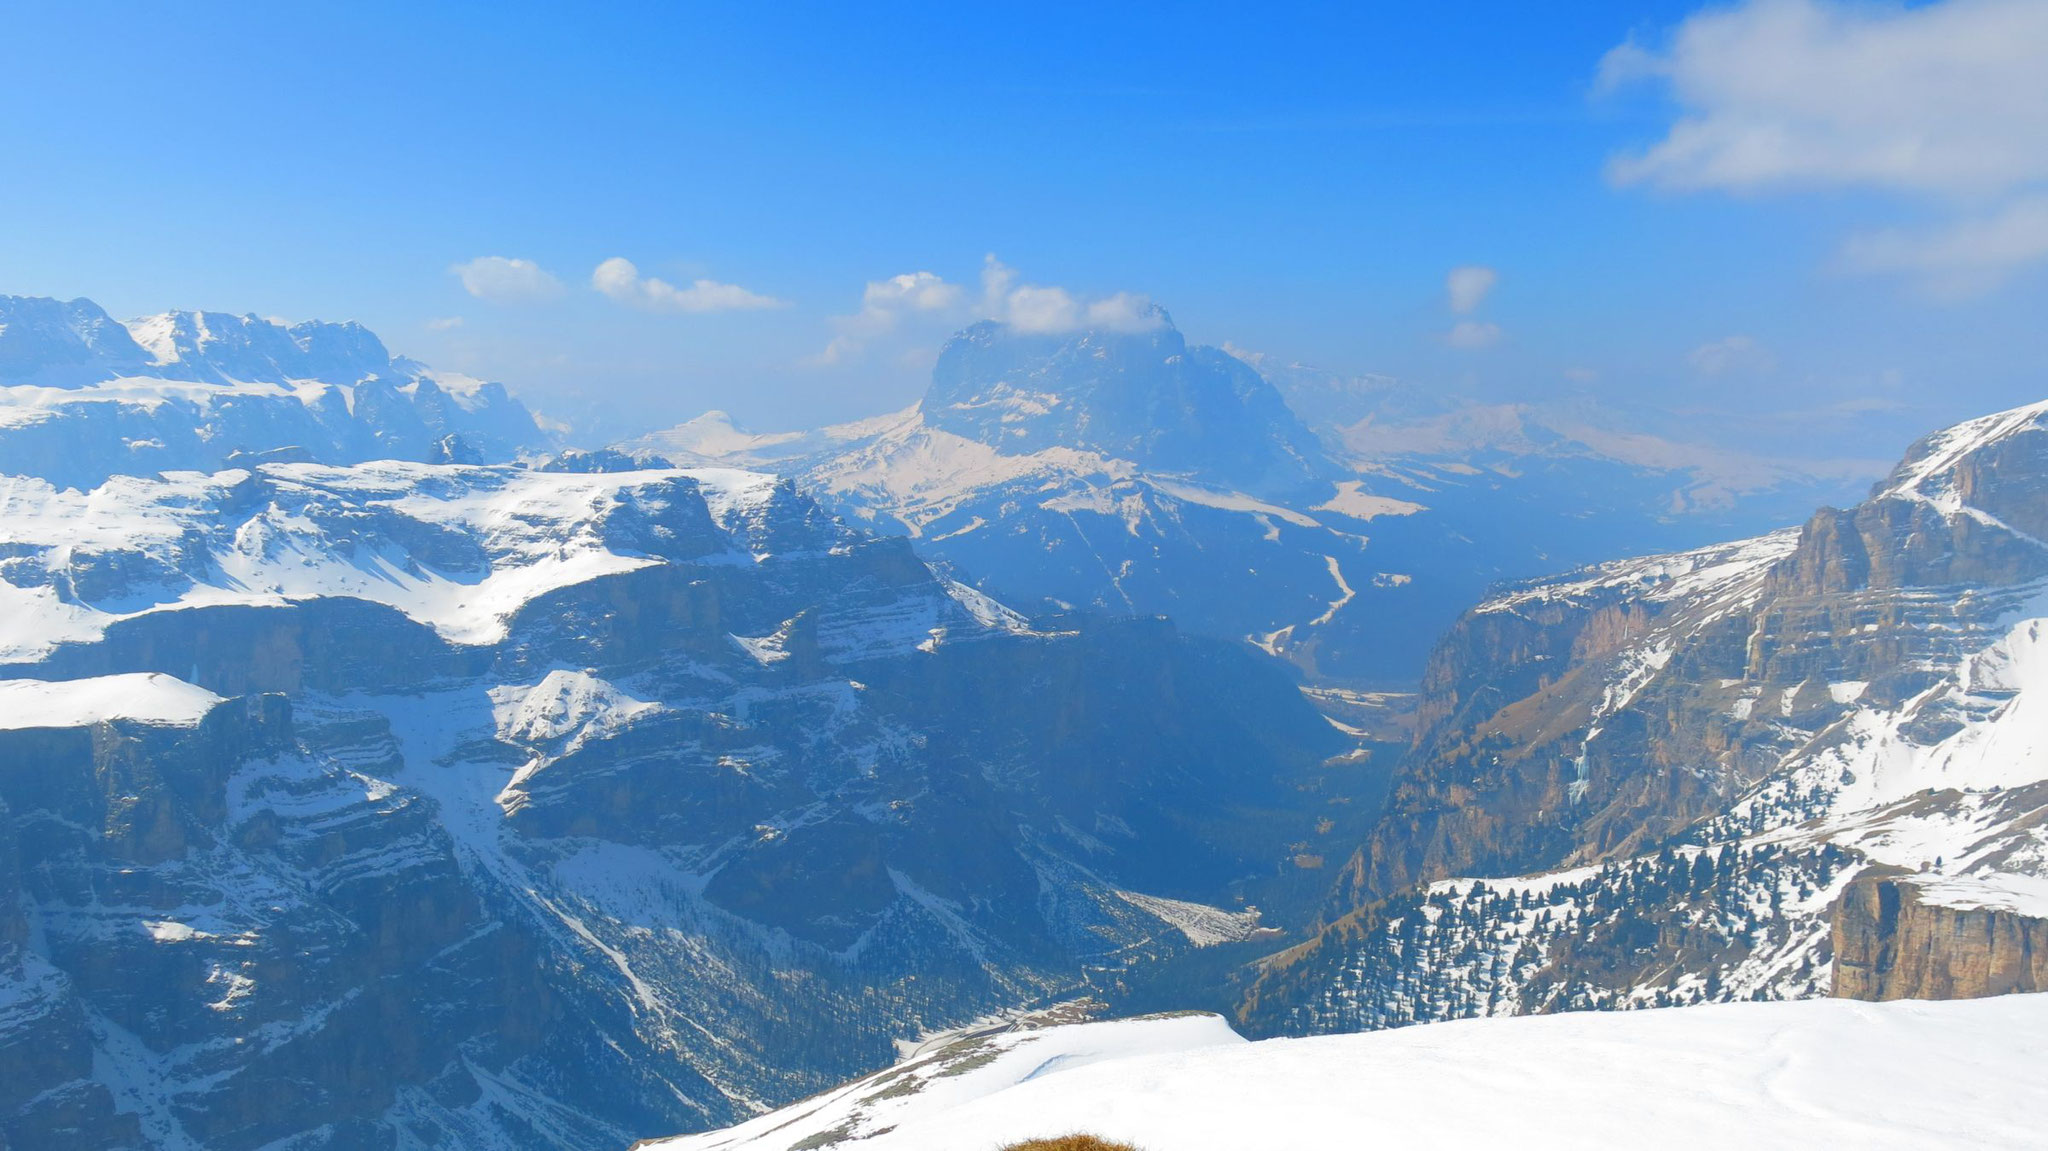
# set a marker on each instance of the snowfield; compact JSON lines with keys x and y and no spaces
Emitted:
{"x":456,"y":548}
{"x":142,"y":697}
{"x":1813,"y":1074}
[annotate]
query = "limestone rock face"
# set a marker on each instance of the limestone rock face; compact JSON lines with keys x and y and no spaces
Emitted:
{"x":1874,"y":682}
{"x":1893,"y":939}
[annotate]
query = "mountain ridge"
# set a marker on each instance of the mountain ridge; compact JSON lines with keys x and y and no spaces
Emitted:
{"x":1134,"y":472}
{"x":81,"y":400}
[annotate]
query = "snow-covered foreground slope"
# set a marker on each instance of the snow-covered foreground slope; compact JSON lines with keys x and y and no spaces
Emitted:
{"x":1799,"y":1076}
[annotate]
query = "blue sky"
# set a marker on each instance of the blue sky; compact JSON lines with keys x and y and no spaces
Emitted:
{"x":1298,"y":180}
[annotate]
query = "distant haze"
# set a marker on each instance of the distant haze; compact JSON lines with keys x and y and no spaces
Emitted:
{"x":1714,"y":216}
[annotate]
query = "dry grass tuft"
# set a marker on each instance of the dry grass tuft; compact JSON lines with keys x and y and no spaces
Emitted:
{"x":1070,"y":1143}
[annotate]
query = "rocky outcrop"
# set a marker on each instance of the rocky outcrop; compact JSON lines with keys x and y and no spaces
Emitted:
{"x":1895,"y":937}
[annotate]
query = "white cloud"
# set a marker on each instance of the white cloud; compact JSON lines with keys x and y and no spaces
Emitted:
{"x":1034,"y":309}
{"x":1730,"y":355}
{"x":884,"y":303}
{"x":444,"y":323}
{"x":1472,"y":334}
{"x":1964,"y":257}
{"x":1124,"y":312}
{"x":1468,"y":286}
{"x":1031,"y":308}
{"x":1947,"y":100}
{"x":925,"y":306}
{"x":912,"y":291}
{"x":618,"y":279}
{"x":501,"y":280}
{"x":1945,"y":97}
{"x":997,"y":278}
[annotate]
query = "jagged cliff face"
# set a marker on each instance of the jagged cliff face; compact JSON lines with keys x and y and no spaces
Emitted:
{"x":84,"y":397}
{"x":546,"y":808}
{"x":1870,"y":683}
{"x":1906,"y":936}
{"x":212,"y":938}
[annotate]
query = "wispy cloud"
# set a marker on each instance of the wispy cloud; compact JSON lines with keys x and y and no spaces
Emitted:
{"x":1473,"y":334}
{"x":1942,"y":101}
{"x":619,"y":280}
{"x":1943,"y":97}
{"x":1468,"y":287}
{"x":1731,"y":355}
{"x":505,"y":280}
{"x":1961,"y":258}
{"x":1034,"y":308}
{"x":883,"y":305}
{"x":924,"y":305}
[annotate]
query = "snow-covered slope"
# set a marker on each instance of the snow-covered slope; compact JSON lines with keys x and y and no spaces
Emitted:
{"x":1786,"y":1075}
{"x":457,"y":548}
{"x":83,"y":397}
{"x":148,"y":697}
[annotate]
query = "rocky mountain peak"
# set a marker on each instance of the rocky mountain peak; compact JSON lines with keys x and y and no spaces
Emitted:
{"x":84,"y":397}
{"x":63,"y":342}
{"x":1137,"y":393}
{"x":1968,"y":504}
{"x":222,"y":346}
{"x":75,"y":343}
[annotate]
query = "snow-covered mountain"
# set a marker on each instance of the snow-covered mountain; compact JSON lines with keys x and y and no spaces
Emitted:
{"x":1134,"y":472}
{"x":457,"y":805}
{"x":1781,"y":1075}
{"x":1811,"y":762}
{"x":84,"y":397}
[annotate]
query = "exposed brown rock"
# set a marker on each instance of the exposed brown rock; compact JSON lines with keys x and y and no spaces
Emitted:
{"x":1892,"y":943}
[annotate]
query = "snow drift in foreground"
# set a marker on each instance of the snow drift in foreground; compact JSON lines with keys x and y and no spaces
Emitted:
{"x":1820,"y":1073}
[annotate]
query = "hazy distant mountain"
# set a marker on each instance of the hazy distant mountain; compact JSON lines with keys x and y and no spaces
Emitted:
{"x":1129,"y":472}
{"x":1812,"y":762}
{"x":83,"y":397}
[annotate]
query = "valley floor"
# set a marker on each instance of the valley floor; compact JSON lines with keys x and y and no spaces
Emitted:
{"x":1810,"y":1074}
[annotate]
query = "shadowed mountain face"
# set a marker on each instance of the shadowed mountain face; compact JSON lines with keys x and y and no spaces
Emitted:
{"x":1786,"y":765}
{"x":482,"y":806}
{"x":1132,"y":472}
{"x":1146,"y":397}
